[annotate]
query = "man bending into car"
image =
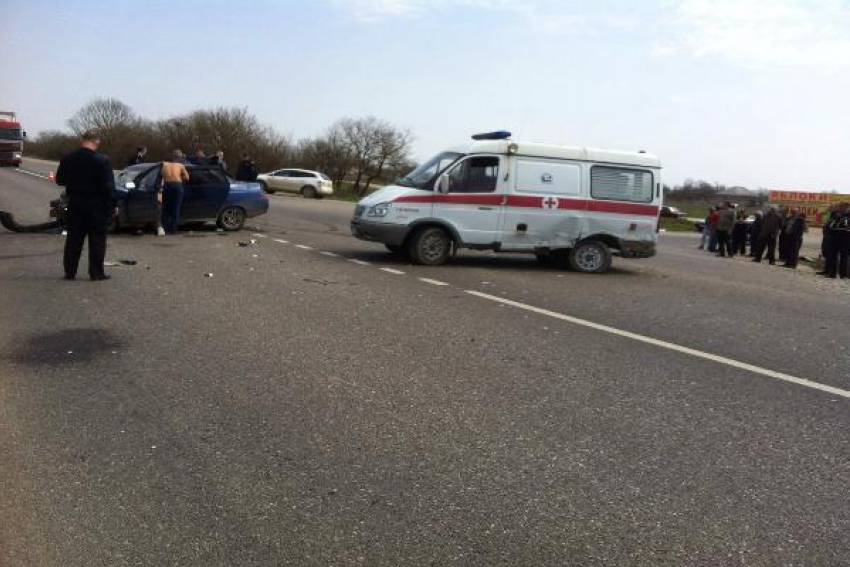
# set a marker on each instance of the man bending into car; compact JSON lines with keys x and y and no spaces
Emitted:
{"x":174,"y":174}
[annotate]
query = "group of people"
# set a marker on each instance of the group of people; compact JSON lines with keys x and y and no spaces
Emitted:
{"x":729,"y":230}
{"x":89,"y":182}
{"x":175,"y":174}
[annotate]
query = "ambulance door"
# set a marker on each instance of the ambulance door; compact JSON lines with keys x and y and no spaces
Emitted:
{"x":547,"y":206}
{"x":469,"y":197}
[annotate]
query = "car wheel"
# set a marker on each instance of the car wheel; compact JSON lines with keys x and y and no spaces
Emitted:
{"x":265,"y":188}
{"x":231,"y":218}
{"x":430,"y":247}
{"x":590,"y":257}
{"x":309,"y":192}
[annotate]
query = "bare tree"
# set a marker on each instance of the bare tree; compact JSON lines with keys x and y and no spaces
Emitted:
{"x":373,"y":143}
{"x":108,"y":116}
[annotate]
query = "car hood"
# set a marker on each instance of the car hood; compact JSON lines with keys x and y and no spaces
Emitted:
{"x":390,"y":193}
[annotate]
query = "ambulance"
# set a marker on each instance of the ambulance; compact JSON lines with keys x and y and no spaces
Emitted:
{"x":570,"y":205}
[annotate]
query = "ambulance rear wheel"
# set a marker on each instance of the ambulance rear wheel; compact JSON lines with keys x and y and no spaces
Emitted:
{"x":590,"y":257}
{"x":430,"y":247}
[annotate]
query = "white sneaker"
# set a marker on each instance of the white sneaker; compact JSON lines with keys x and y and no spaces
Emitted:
{"x":160,"y":231}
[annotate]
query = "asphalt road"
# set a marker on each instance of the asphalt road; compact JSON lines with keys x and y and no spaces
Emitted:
{"x":318,"y":401}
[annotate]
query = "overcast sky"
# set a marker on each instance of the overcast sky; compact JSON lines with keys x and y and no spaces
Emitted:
{"x":743,"y":92}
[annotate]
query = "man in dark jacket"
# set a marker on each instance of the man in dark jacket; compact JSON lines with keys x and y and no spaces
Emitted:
{"x":90,"y":187}
{"x":247,"y":169}
{"x":725,"y":226}
{"x":794,"y":228}
{"x":139,"y":157}
{"x":841,"y":236}
{"x":829,"y":245}
{"x":754,"y":231}
{"x":771,"y":224}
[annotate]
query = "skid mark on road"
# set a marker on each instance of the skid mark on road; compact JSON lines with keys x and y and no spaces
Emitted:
{"x":666,"y":345}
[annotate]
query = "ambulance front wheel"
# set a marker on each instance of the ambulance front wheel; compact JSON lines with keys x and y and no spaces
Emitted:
{"x":430,"y":246}
{"x":590,"y":257}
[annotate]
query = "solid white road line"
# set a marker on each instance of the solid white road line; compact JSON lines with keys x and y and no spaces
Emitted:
{"x":359,"y":262}
{"x":669,"y":346}
{"x":329,"y":254}
{"x":392,"y":271}
{"x":303,"y":247}
{"x":432,"y":282}
{"x":281,"y":241}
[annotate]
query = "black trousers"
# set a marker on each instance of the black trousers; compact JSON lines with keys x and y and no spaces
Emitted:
{"x":739,"y":240}
{"x":769,"y":243}
{"x":843,"y":246}
{"x":724,"y":243}
{"x":792,"y":251}
{"x":86,"y":221}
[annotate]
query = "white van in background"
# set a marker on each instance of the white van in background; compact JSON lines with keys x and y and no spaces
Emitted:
{"x":561,"y":203}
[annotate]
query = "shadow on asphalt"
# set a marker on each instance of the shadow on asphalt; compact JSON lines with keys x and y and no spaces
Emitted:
{"x":68,"y":346}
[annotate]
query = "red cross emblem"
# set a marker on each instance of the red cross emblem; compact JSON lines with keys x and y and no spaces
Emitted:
{"x":550,"y":203}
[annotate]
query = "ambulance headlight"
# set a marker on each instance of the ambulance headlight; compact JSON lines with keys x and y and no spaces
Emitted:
{"x":380,"y":210}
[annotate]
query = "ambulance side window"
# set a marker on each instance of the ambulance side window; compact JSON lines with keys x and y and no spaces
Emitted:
{"x":475,"y":175}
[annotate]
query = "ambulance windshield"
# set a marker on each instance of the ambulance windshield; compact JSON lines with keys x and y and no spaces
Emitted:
{"x":422,"y":176}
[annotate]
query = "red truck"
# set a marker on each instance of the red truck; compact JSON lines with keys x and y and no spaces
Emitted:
{"x":11,"y":139}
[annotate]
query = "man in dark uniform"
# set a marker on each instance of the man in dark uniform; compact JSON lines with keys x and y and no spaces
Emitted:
{"x":771,"y":224}
{"x":794,"y":229}
{"x":842,"y":240}
{"x":829,"y":244}
{"x":90,"y":186}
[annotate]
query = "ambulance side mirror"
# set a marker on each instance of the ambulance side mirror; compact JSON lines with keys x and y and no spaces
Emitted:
{"x":443,"y":184}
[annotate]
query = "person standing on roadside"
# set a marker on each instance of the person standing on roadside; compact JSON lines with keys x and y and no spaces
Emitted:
{"x":794,"y":228}
{"x":771,"y":224}
{"x":218,"y":159}
{"x":247,"y":170}
{"x":90,"y":186}
{"x":842,"y":240}
{"x":725,"y":225}
{"x":713,"y":218}
{"x":200,"y":158}
{"x":139,"y":156}
{"x":739,"y":234}
{"x":753,"y":230}
{"x":829,"y":244}
{"x":174,"y":174}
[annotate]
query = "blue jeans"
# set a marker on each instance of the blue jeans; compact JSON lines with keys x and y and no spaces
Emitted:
{"x":172,"y":201}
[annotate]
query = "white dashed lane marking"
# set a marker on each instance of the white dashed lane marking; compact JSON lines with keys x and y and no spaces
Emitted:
{"x":34,"y":174}
{"x":329,"y":254}
{"x":432,"y":282}
{"x":281,"y":241}
{"x":303,"y":247}
{"x":392,"y":271}
{"x":259,"y":235}
{"x":359,"y":262}
{"x":665,"y":345}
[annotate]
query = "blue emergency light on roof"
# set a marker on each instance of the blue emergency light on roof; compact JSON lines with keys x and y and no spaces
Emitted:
{"x":497,"y":135}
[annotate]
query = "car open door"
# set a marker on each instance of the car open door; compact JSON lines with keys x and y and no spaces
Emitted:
{"x":204,"y":194}
{"x":141,"y":205}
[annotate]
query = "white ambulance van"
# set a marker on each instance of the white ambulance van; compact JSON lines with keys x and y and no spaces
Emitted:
{"x":563,"y":204}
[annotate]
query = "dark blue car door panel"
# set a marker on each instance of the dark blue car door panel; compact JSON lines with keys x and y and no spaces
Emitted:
{"x":204,"y":194}
{"x":140,"y":205}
